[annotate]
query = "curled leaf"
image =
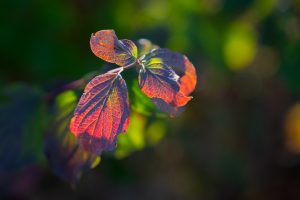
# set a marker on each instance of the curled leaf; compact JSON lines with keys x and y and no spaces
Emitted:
{"x":158,"y":80}
{"x":182,"y":67}
{"x":105,"y":45}
{"x":180,"y":64}
{"x":102,"y":113}
{"x":66,"y":157}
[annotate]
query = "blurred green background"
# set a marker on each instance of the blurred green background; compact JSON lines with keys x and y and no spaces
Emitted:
{"x":239,"y":137}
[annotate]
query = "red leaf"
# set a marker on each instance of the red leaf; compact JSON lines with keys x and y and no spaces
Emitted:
{"x":181,"y":65}
{"x":160,"y":81}
{"x":102,"y":113}
{"x":105,"y":45}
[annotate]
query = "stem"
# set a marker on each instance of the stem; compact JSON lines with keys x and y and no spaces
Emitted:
{"x":124,"y":68}
{"x":78,"y":83}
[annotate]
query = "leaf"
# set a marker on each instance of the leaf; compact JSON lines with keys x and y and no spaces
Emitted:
{"x":180,"y":64}
{"x":67,"y":159}
{"x":102,"y":113}
{"x":158,"y":80}
{"x":140,"y":103}
{"x":105,"y":45}
{"x":182,"y":67}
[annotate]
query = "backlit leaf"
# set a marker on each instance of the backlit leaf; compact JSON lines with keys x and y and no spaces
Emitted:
{"x":180,"y":64}
{"x":140,"y":103}
{"x":182,"y":67}
{"x":102,"y":113}
{"x":158,"y":80}
{"x":105,"y":45}
{"x":66,"y":157}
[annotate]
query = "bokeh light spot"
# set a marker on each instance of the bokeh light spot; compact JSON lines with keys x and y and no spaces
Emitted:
{"x":292,"y":129}
{"x":240,"y":46}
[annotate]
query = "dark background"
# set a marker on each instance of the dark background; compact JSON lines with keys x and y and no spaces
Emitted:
{"x":239,"y":137}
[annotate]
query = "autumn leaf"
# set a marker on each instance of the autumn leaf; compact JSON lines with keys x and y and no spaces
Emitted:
{"x":102,"y":113}
{"x":158,"y":80}
{"x":182,"y":67}
{"x":179,"y":63}
{"x":105,"y":45}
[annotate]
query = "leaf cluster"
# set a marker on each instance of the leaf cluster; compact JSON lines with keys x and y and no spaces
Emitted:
{"x":166,"y":77}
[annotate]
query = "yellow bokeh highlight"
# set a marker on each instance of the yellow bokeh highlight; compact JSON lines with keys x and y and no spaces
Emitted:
{"x":96,"y":162}
{"x":136,"y":131}
{"x":292,"y":129}
{"x":155,"y":132}
{"x":240,"y":46}
{"x":65,"y":98}
{"x":134,"y":138}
